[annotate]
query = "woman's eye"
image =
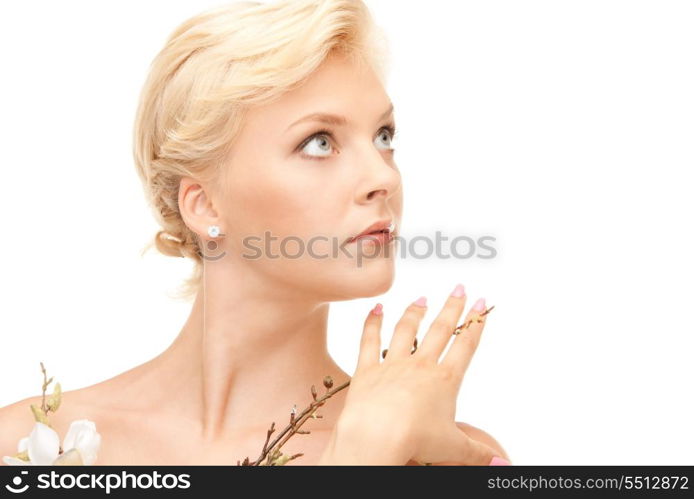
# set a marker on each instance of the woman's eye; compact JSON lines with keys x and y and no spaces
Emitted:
{"x":318,"y":145}
{"x":385,"y":132}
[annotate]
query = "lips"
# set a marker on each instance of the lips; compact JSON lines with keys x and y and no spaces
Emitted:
{"x":379,"y":227}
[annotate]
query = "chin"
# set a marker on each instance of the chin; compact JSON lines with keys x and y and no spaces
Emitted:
{"x":347,"y":281}
{"x":373,"y":279}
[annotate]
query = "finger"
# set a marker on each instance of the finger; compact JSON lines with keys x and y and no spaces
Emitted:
{"x":402,"y":342}
{"x":442,"y":328}
{"x":464,"y":451}
{"x":468,"y":452}
{"x":465,"y":343}
{"x":478,"y":454}
{"x":370,"y":345}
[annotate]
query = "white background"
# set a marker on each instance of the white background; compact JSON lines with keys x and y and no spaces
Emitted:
{"x":562,"y":128}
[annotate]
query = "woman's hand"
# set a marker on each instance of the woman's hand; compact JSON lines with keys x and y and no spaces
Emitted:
{"x":404,"y":407}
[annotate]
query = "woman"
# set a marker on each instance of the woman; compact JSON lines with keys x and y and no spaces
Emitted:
{"x":264,"y":142}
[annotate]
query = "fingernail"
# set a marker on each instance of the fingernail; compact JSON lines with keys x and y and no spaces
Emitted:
{"x":421,"y":301}
{"x":459,"y":291}
{"x":378,"y":309}
{"x":499,"y":461}
{"x":479,"y":305}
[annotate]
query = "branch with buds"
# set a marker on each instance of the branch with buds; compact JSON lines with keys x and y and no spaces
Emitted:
{"x":42,"y":446}
{"x":271,"y":453}
{"x":50,"y":405}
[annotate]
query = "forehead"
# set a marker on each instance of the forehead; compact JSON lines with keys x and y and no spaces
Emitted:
{"x":338,"y":86}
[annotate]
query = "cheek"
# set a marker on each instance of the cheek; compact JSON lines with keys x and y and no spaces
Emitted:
{"x":286,"y":206}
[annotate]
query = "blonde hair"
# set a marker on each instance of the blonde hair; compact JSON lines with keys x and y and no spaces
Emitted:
{"x":212,"y":68}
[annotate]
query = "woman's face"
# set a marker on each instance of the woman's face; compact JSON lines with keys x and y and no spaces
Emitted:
{"x":296,"y":187}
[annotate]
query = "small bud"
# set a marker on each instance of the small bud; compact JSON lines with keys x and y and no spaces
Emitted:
{"x":273,"y":457}
{"x":282,"y":460}
{"x":384,"y":353}
{"x":39,"y":415}
{"x":313,"y":392}
{"x":53,"y":401}
{"x":328,"y":382}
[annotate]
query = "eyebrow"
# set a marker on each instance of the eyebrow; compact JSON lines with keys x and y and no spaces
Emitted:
{"x":333,"y":119}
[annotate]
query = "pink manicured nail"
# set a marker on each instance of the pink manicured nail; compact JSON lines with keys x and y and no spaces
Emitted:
{"x":378,"y":309}
{"x":479,"y":305}
{"x":421,"y":301}
{"x":499,"y":461}
{"x":459,"y":291}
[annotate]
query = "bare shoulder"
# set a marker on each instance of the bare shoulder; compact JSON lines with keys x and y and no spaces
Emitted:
{"x":484,"y":437}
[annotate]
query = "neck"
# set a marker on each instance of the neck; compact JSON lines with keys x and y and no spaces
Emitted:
{"x":246,"y":355}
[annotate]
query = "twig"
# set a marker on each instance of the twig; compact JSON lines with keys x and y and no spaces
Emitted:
{"x":471,"y":320}
{"x":43,"y":388}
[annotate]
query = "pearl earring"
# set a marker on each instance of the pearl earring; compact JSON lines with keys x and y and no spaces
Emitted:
{"x":213,"y":230}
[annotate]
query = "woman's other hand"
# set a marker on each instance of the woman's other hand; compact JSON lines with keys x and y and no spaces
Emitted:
{"x":404,"y":407}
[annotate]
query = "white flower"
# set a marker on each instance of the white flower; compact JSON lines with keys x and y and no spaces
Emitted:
{"x":80,"y":446}
{"x":82,"y":436}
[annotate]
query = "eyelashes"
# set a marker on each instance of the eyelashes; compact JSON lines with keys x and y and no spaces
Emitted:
{"x":391,"y":129}
{"x":329,"y":134}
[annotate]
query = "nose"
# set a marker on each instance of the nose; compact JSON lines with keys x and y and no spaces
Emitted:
{"x":380,"y":177}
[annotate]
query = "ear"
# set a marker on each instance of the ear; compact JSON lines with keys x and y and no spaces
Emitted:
{"x":196,"y":207}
